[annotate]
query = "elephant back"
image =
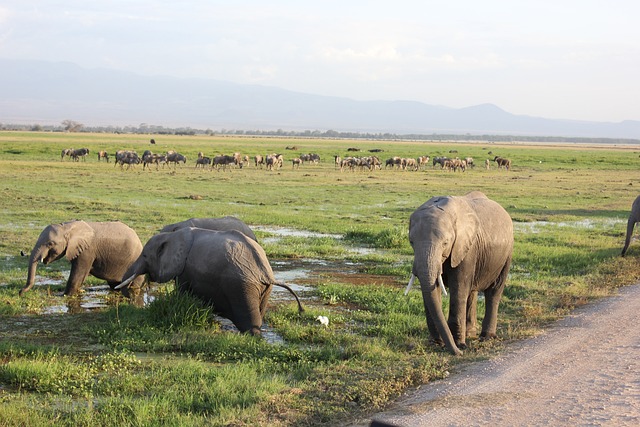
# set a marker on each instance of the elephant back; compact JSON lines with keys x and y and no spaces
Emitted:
{"x":249,"y":258}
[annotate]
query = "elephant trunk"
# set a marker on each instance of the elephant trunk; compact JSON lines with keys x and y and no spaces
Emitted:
{"x":429,"y":273}
{"x":630,"y":226}
{"x":35,"y":257}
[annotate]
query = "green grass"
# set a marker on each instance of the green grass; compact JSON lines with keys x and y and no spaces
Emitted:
{"x":172,"y":363}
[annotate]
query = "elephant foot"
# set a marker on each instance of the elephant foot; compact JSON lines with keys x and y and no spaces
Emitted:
{"x":438,"y":342}
{"x":485,"y":336}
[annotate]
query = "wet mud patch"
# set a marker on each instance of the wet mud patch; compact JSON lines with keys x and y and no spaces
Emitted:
{"x":60,"y":330}
{"x":59,"y":320}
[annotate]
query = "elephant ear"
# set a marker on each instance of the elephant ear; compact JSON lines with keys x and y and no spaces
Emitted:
{"x":466,"y":228}
{"x":171,"y":251}
{"x":79,"y":236}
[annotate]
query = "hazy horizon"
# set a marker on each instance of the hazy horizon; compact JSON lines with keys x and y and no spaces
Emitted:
{"x":561,"y":60}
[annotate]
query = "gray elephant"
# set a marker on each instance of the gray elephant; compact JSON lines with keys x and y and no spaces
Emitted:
{"x":103,"y":249}
{"x":225,"y":269}
{"x":634,"y":217}
{"x":467,"y":243}
{"x":225,"y":223}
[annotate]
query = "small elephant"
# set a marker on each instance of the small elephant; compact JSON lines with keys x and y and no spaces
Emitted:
{"x":103,"y":249}
{"x":634,"y":217}
{"x":226,"y":269}
{"x":467,"y":243}
{"x":217,"y":224}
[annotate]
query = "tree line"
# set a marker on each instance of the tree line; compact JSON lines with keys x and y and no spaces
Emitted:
{"x":143,"y":128}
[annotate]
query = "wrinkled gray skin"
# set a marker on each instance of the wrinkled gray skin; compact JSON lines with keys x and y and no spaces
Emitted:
{"x":225,"y":269}
{"x":103,"y":249}
{"x":218,"y":224}
{"x":634,"y":217}
{"x":469,"y":240}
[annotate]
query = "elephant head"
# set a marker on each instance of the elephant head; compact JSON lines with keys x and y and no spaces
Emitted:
{"x":442,"y":233}
{"x":163,"y":257}
{"x":56,"y":241}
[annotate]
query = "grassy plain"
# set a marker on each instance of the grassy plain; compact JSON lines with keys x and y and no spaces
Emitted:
{"x":170,"y":362}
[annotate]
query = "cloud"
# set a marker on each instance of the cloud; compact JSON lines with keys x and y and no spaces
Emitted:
{"x":4,"y":15}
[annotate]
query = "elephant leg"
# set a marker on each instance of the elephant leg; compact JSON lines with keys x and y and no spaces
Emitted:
{"x":492,"y":297}
{"x":80,"y":269}
{"x":472,"y":314}
{"x":457,"y":314}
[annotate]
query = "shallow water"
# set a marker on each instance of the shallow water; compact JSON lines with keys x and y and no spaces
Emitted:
{"x":301,"y":275}
{"x":534,"y":227}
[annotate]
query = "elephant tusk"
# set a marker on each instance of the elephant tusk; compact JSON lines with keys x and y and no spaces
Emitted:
{"x":411,"y":280}
{"x":125,"y":283}
{"x":441,"y":283}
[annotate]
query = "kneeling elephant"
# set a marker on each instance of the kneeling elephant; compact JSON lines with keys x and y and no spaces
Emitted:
{"x":226,"y":269}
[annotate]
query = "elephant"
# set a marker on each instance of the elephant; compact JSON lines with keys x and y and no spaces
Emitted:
{"x":467,"y":243}
{"x":217,"y":224}
{"x":634,"y":217}
{"x":103,"y":249}
{"x":225,"y":269}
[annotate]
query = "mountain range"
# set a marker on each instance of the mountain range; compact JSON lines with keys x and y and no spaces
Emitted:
{"x":42,"y":92}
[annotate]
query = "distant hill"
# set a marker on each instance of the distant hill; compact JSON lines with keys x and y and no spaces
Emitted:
{"x":48,"y":92}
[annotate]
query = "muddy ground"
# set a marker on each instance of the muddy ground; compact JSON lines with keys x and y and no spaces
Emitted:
{"x":583,"y":371}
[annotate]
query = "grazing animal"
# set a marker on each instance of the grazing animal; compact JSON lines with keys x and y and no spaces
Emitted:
{"x":103,"y":155}
{"x":66,"y":152}
{"x":502,"y":162}
{"x":80,"y":152}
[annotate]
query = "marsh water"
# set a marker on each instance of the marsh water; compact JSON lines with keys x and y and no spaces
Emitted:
{"x":301,"y":275}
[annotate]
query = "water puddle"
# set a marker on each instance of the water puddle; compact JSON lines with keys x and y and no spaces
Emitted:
{"x":535,"y":227}
{"x":279,"y":232}
{"x":301,"y":275}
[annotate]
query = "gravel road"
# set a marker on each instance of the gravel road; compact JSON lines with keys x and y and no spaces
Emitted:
{"x":583,"y":371}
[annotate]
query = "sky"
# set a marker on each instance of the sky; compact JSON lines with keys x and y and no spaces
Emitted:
{"x":560,"y":59}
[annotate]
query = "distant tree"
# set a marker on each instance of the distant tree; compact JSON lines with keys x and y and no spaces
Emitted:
{"x":71,"y":126}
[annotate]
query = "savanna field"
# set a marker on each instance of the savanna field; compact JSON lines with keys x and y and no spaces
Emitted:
{"x":98,"y":359}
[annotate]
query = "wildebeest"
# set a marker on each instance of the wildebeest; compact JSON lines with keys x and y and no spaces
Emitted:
{"x":223,"y":160}
{"x":203,"y":161}
{"x":80,"y":152}
{"x":126,"y":157}
{"x":175,"y":158}
{"x":502,"y":162}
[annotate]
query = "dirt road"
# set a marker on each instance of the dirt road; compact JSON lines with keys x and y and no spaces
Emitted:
{"x":583,"y":371}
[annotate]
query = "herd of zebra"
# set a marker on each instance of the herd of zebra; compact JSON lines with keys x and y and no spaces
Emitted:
{"x":276,"y":161}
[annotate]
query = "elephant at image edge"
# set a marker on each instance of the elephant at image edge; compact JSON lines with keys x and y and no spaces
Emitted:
{"x":226,"y":223}
{"x":634,"y":217}
{"x":226,"y":269}
{"x":103,"y":249}
{"x":467,"y":243}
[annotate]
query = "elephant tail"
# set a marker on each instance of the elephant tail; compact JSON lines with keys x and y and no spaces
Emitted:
{"x":282,"y":285}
